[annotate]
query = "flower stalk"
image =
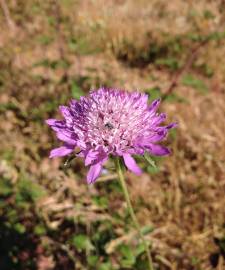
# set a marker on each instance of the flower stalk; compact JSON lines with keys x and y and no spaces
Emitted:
{"x":131,"y":211}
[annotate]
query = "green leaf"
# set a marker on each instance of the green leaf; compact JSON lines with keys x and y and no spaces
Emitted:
{"x":190,"y":80}
{"x":92,"y":260}
{"x":53,"y":64}
{"x":5,"y":187}
{"x":101,"y":201}
{"x":150,"y":160}
{"x":45,"y":40}
{"x":139,"y":249}
{"x":141,"y":264}
{"x":81,"y":242}
{"x":154,"y":93}
{"x":173,"y":133}
{"x":147,"y":229}
{"x":39,"y":230}
{"x":77,"y":92}
{"x":208,"y":14}
{"x":128,"y":258}
{"x":170,"y":62}
{"x":105,"y":266}
{"x":29,"y":191}
{"x":20,"y":228}
{"x":152,"y":170}
{"x":175,"y":98}
{"x":195,"y":261}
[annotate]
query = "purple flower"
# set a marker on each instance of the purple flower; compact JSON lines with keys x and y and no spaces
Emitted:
{"x":110,"y":122}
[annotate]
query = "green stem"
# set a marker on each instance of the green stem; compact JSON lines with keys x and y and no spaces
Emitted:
{"x":131,"y":211}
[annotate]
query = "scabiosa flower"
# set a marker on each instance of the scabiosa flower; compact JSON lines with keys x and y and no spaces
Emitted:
{"x":110,"y":122}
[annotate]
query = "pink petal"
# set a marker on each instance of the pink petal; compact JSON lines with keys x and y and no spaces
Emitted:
{"x":158,"y":150}
{"x":147,"y":142}
{"x":65,"y":111}
{"x":65,"y":138}
{"x":91,"y":156}
{"x":94,"y":172}
{"x":159,"y":119}
{"x":131,"y":164}
{"x":56,"y":125}
{"x":51,"y":121}
{"x":61,"y":151}
{"x":172,"y":125}
{"x":154,"y":105}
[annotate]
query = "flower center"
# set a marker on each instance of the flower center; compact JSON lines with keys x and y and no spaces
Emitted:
{"x":109,"y":126}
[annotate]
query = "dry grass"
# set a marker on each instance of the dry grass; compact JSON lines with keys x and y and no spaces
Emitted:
{"x":185,"y":200}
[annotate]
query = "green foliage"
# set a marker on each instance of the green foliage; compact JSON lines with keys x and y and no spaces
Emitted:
{"x":154,"y":93}
{"x":153,"y":170}
{"x":20,"y":228}
{"x":28,"y":191}
{"x":105,"y":266}
{"x":190,"y":80}
{"x":6,"y":187}
{"x":128,"y":258}
{"x":173,"y":133}
{"x":48,"y":106}
{"x":173,"y":97}
{"x":81,"y":242}
{"x":170,"y":62}
{"x":92,"y":260}
{"x":103,"y":234}
{"x":45,"y":39}
{"x":147,"y":229}
{"x":140,"y":249}
{"x":195,"y":261}
{"x":53,"y":64}
{"x":8,"y":106}
{"x":76,"y":91}
{"x":101,"y":201}
{"x":82,"y":46}
{"x":150,"y":161}
{"x":40,"y":230}
{"x":214,"y":36}
{"x":208,"y":14}
{"x":52,"y":20}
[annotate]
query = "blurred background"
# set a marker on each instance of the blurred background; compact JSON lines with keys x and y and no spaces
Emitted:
{"x":51,"y":51}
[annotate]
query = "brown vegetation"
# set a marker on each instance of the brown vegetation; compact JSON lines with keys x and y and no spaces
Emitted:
{"x":51,"y":51}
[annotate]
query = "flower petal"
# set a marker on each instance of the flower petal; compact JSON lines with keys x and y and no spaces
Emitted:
{"x":94,"y":172}
{"x":91,"y":156}
{"x":61,"y":151}
{"x":51,"y":121}
{"x":154,"y":105}
{"x":65,"y":111}
{"x":158,"y":136}
{"x":94,"y":156}
{"x":55,"y":124}
{"x":159,"y":119}
{"x":131,"y":164}
{"x":172,"y":125}
{"x":158,"y":150}
{"x":65,"y":137}
{"x":155,"y":137}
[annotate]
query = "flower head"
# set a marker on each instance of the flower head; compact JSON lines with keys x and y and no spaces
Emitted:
{"x":110,"y":122}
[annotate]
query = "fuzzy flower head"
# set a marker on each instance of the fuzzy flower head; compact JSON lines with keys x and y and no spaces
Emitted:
{"x":110,"y":122}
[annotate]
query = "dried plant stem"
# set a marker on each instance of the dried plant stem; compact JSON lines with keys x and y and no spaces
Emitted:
{"x":189,"y":61}
{"x":7,"y":15}
{"x":131,"y":211}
